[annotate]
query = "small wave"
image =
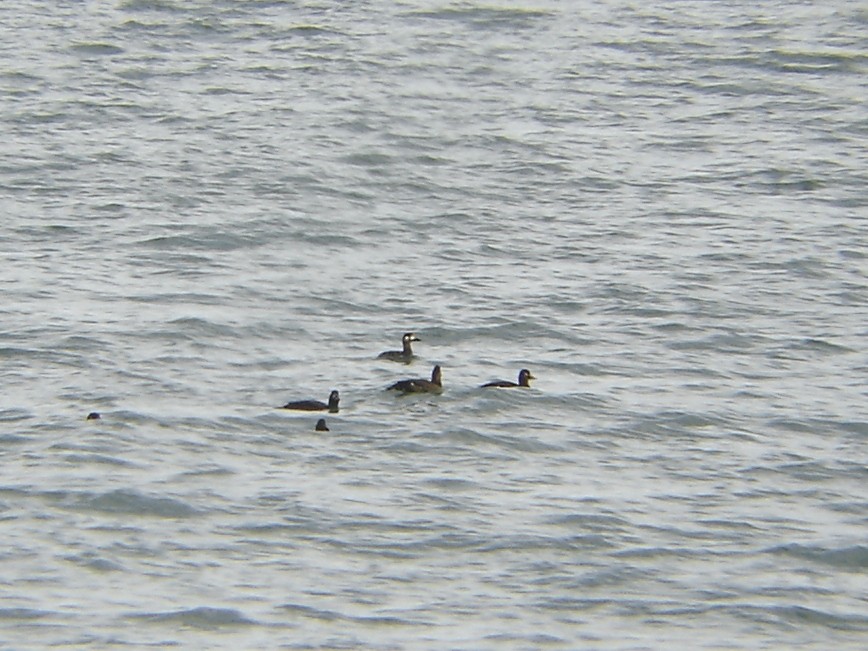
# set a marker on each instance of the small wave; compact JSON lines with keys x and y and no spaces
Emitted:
{"x":220,"y":242}
{"x":801,"y":615}
{"x":854,"y":426}
{"x":97,"y":459}
{"x":203,"y":617}
{"x":332,"y":616}
{"x":97,"y":48}
{"x":853,"y":558}
{"x":93,"y":562}
{"x":811,"y":62}
{"x":310,"y":29}
{"x":452,"y":483}
{"x":672,"y":422}
{"x":185,"y":297}
{"x":814,"y":345}
{"x":134,"y":503}
{"x":778,"y":614}
{"x":13,"y":415}
{"x":535,"y":640}
{"x":809,"y":425}
{"x":481,"y":16}
{"x":591,"y":521}
{"x":313,"y":613}
{"x":823,"y":345}
{"x":525,"y":543}
{"x":463,"y":435}
{"x":22,"y":614}
{"x":203,"y":327}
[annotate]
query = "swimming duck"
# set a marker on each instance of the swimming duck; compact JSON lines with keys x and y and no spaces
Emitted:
{"x":321,"y":426}
{"x":420,"y":385}
{"x":316,"y":405}
{"x":404,"y":355}
{"x":524,"y":378}
{"x":94,"y":415}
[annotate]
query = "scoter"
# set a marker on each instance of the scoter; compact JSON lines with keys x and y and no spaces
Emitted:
{"x":321,"y":426}
{"x":524,"y":378}
{"x":420,"y":385}
{"x":315,"y":405}
{"x":404,"y":355}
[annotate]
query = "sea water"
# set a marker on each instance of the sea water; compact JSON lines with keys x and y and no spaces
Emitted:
{"x":211,"y":208}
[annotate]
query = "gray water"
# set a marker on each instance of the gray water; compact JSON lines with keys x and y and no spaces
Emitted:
{"x":210,"y":208}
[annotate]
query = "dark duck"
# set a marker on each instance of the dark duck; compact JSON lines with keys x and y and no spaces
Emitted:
{"x":524,"y":378}
{"x":420,"y":385}
{"x":404,"y":355}
{"x":315,"y":405}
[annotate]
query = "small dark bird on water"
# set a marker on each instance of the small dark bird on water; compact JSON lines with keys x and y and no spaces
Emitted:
{"x":93,"y":416}
{"x":315,"y":405}
{"x":321,"y":426}
{"x":524,"y":378}
{"x":420,"y":385}
{"x":404,"y":355}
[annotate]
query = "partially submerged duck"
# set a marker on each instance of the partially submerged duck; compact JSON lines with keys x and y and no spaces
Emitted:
{"x":524,"y":378}
{"x":321,"y":426}
{"x":420,"y":385}
{"x":316,"y":405}
{"x":404,"y":355}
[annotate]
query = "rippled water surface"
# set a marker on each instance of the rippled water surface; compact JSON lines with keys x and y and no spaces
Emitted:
{"x":211,"y":208}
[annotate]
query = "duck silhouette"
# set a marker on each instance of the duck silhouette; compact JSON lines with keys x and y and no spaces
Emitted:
{"x":420,"y":385}
{"x":406,"y":354}
{"x":524,"y":378}
{"x":316,"y":405}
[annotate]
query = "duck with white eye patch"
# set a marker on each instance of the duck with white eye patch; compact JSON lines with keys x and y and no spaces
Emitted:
{"x":406,"y":353}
